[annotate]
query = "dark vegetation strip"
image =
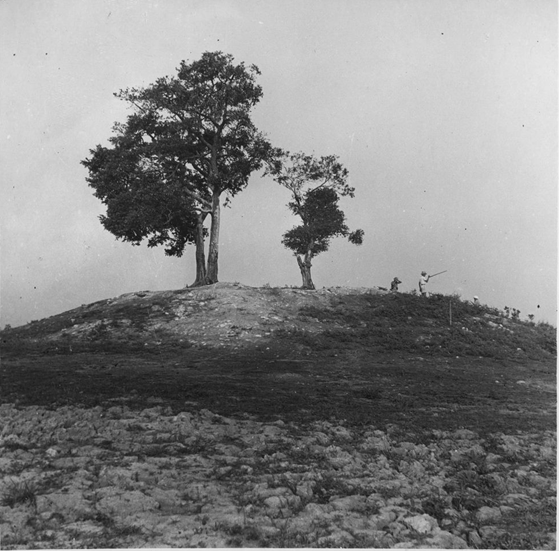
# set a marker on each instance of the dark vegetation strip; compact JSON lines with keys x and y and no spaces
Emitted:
{"x":441,"y":325}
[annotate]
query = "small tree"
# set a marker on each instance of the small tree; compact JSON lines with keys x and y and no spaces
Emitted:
{"x":189,"y":140}
{"x":316,"y":186}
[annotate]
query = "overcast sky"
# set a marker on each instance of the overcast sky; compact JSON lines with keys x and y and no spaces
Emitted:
{"x":443,"y":111}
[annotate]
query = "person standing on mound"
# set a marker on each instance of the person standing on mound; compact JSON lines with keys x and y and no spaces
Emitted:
{"x":423,"y":280}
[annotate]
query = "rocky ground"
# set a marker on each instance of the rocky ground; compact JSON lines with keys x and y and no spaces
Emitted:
{"x":231,"y":416}
{"x":229,"y":315}
{"x":112,"y":477}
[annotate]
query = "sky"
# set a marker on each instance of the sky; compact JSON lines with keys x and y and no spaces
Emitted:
{"x":443,"y":111}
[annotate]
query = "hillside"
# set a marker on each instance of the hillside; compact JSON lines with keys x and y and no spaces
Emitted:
{"x":315,"y":346}
{"x":238,"y":416}
{"x":234,"y":316}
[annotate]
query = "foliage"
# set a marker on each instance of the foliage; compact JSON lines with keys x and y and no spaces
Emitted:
{"x":527,"y":527}
{"x":19,"y":493}
{"x":189,"y":140}
{"x":322,"y":220}
{"x":297,"y":171}
{"x":316,"y":186}
{"x":139,"y":205}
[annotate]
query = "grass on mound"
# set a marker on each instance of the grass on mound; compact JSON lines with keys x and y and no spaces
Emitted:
{"x":438,"y":325}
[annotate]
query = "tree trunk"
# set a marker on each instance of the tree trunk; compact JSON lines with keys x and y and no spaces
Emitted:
{"x":211,"y":275}
{"x":305,"y":267}
{"x":200,"y":254}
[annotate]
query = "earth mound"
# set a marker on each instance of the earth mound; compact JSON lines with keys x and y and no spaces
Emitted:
{"x":236,"y":316}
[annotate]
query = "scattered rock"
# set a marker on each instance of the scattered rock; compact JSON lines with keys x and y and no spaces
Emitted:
{"x":486,"y":515}
{"x":113,"y":501}
{"x":69,"y":505}
{"x":422,"y":524}
{"x":190,"y":479}
{"x":349,"y":503}
{"x":445,"y":540}
{"x":464,"y":434}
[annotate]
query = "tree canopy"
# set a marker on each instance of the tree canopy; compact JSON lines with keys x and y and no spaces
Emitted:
{"x":316,"y":186}
{"x":189,"y":141}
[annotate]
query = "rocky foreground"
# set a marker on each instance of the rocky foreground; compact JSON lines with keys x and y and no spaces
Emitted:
{"x":76,"y":478}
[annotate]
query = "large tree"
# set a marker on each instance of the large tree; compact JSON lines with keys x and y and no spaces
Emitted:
{"x":316,"y":186}
{"x":188,"y":142}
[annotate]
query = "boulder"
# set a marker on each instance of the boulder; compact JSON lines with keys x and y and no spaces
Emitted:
{"x":445,"y":540}
{"x":122,"y":503}
{"x":349,"y":503}
{"x":71,"y":505}
{"x":486,"y":515}
{"x":421,"y":523}
{"x":339,"y":538}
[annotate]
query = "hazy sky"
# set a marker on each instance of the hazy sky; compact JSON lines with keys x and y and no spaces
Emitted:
{"x":443,"y":111}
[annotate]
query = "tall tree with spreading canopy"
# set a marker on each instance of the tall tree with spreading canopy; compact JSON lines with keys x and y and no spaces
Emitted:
{"x":316,"y":186}
{"x":188,"y":142}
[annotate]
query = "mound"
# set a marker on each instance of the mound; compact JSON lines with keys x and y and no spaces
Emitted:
{"x":234,"y":316}
{"x":223,"y":315}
